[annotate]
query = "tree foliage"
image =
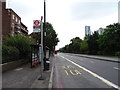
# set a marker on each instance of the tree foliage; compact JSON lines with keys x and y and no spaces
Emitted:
{"x":51,"y":37}
{"x":84,"y":46}
{"x":20,"y":42}
{"x":109,"y":42}
{"x":106,"y":44}
{"x":73,"y":47}
{"x":93,"y":46}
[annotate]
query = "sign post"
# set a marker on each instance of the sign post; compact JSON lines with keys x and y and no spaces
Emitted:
{"x":42,"y":52}
{"x":38,"y":27}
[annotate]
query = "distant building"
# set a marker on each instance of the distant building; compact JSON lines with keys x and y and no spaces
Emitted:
{"x":100,"y":31}
{"x":87,"y":30}
{"x":11,"y":23}
{"x":0,"y":21}
{"x":119,"y":12}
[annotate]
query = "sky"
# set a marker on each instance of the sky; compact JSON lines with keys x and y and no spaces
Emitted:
{"x":68,"y":17}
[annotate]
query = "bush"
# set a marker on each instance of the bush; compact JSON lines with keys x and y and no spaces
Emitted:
{"x":117,"y":53}
{"x":9,"y":54}
{"x":22,"y":43}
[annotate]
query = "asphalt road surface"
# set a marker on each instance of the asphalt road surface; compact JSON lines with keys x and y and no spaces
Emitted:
{"x":78,"y":72}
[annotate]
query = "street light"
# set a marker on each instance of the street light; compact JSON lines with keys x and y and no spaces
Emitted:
{"x":44,"y":35}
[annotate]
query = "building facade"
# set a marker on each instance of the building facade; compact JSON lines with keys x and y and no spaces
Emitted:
{"x":100,"y":31}
{"x":87,"y":30}
{"x":119,"y":12}
{"x":0,"y":20}
{"x":23,"y":29}
{"x":11,"y":23}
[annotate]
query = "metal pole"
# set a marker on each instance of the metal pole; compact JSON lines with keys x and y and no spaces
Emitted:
{"x":41,"y":49}
{"x":31,"y":55}
{"x":42,"y":53}
{"x":44,"y":35}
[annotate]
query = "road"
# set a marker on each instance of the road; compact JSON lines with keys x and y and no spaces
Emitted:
{"x":78,"y":72}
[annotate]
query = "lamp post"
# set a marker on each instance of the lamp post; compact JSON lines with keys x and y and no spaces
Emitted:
{"x":44,"y":35}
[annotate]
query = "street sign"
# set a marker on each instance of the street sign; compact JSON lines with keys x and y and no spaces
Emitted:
{"x":36,"y":25}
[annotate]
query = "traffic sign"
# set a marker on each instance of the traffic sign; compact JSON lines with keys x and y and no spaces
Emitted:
{"x":36,"y":25}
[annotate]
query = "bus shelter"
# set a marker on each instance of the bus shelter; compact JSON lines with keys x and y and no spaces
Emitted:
{"x":35,"y":55}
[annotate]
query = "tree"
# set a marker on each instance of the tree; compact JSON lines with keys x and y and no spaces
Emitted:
{"x":93,"y":45}
{"x":106,"y":44}
{"x":84,"y":46}
{"x":110,"y":40}
{"x":36,"y":37}
{"x":75,"y":44}
{"x":51,"y":37}
{"x":73,"y":47}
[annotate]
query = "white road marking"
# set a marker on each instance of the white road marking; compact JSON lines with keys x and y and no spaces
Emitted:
{"x":95,"y":75}
{"x":116,"y":68}
{"x":18,"y":69}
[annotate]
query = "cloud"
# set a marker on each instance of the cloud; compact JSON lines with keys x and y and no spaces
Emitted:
{"x":92,"y":10}
{"x":26,"y":8}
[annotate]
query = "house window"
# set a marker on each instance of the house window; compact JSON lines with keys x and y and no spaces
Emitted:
{"x":19,"y":21}
{"x":13,"y":17}
{"x":12,"y":25}
{"x":16,"y":19}
{"x":8,"y":12}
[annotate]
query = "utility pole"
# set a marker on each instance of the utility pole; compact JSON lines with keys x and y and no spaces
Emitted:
{"x":44,"y":35}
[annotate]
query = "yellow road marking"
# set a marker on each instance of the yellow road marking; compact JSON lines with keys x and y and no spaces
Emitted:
{"x":75,"y":72}
{"x":63,"y":66}
{"x":78,"y":72}
{"x":70,"y":67}
{"x":66,"y":67}
{"x":66,"y":72}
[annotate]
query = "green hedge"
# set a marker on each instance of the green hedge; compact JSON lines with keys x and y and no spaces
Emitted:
{"x":22,"y":43}
{"x":9,"y":54}
{"x":117,"y":53}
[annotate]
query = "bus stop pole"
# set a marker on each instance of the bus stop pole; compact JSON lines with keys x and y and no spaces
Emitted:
{"x":41,"y":49}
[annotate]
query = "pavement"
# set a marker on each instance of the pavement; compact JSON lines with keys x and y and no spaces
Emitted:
{"x":25,"y":77}
{"x":46,"y":80}
{"x":99,"y":57}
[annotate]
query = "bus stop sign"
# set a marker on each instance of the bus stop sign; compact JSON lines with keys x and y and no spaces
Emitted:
{"x":36,"y":25}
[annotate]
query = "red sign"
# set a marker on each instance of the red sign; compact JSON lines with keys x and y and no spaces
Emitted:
{"x":36,"y":23}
